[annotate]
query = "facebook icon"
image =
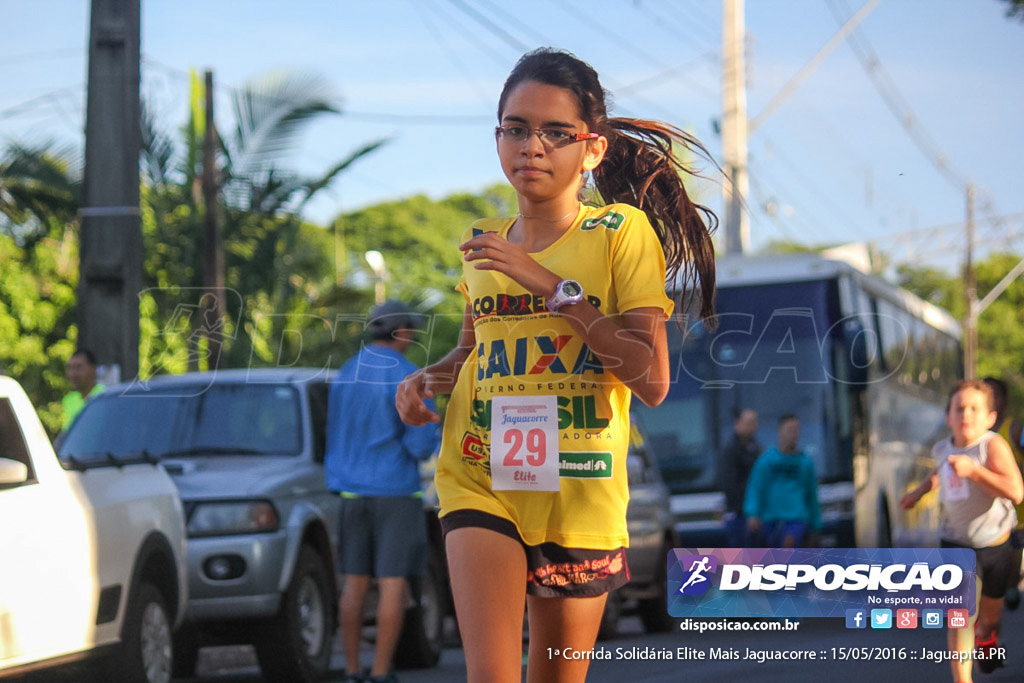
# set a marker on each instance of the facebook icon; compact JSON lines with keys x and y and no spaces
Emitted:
{"x":856,"y":618}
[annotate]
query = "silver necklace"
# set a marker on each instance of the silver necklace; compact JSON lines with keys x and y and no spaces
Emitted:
{"x":550,"y":220}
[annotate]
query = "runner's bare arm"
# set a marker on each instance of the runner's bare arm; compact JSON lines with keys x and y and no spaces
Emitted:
{"x":437,"y":378}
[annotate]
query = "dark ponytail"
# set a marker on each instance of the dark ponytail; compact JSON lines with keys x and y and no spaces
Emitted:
{"x":640,"y":168}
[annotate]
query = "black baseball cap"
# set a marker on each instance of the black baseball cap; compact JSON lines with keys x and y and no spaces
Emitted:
{"x":393,"y":315}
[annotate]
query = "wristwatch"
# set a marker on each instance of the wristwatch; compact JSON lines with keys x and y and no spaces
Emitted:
{"x":566,"y":292}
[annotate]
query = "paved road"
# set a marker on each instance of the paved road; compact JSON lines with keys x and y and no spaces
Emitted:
{"x":622,"y":659}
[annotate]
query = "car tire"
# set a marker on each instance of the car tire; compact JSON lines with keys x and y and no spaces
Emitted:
{"x":422,"y":638}
{"x":147,"y":647}
{"x":295,"y":645}
{"x":186,"y":652}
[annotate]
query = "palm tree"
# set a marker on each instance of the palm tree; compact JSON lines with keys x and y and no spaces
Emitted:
{"x":261,"y":202}
{"x":270,"y":114}
{"x":39,"y":190}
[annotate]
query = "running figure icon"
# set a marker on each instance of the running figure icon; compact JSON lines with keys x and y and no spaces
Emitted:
{"x":696,"y":570}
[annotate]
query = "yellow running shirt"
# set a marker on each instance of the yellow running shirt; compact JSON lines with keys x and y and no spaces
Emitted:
{"x":524,"y":350}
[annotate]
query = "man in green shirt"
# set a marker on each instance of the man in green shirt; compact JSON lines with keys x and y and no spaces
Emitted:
{"x":81,"y":373}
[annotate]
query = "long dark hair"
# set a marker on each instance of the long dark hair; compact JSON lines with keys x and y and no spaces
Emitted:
{"x":640,"y":168}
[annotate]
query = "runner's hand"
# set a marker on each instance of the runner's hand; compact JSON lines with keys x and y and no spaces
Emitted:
{"x":409,"y":399}
{"x":963,"y":465}
{"x":491,"y":251}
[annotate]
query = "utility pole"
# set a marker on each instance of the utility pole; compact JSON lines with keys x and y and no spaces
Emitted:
{"x":976,"y":307}
{"x":213,"y":309}
{"x":970,"y":294}
{"x":111,"y":238}
{"x":734,"y":128}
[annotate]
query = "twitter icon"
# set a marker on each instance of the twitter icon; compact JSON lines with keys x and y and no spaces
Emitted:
{"x":881,"y":618}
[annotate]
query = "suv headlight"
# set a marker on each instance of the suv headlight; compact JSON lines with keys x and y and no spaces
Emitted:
{"x":225,"y":518}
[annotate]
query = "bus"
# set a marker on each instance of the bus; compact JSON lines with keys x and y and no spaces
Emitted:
{"x":864,"y":365}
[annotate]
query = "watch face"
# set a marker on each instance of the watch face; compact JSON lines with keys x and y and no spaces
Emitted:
{"x":571,"y":288}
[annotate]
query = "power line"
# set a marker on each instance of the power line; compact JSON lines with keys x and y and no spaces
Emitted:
{"x":947,"y":238}
{"x":445,"y":48}
{"x":511,"y":18}
{"x":673,"y":72}
{"x":630,"y":48}
{"x":698,"y":9}
{"x":41,"y":56}
{"x":468,"y":34}
{"x":824,"y":198}
{"x":706,"y":36}
{"x":45,"y":99}
{"x":491,"y":27}
{"x":769,"y":208}
{"x":419,"y":119}
{"x":898,"y":105}
{"x":355,"y":115}
{"x":812,"y":226}
{"x":846,"y":28}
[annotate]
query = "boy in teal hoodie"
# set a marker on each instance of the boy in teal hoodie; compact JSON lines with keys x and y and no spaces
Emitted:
{"x":781,"y":504}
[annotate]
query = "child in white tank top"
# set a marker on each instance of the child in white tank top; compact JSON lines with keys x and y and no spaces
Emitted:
{"x":978,"y":481}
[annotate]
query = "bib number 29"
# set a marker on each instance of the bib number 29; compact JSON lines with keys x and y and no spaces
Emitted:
{"x":536,"y":446}
{"x":524,"y":443}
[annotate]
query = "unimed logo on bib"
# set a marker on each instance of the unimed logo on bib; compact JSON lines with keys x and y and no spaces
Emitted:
{"x":812,"y":582}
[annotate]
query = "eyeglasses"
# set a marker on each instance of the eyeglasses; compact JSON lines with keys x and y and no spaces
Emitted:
{"x":549,"y":137}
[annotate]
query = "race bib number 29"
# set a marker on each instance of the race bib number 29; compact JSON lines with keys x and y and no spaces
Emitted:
{"x":524,"y":443}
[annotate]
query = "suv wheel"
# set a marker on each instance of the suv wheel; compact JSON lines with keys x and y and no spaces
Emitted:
{"x":147,"y":646}
{"x":295,"y":645}
{"x":186,"y":652}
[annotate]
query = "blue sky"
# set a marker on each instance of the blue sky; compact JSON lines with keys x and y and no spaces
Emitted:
{"x":832,"y":164}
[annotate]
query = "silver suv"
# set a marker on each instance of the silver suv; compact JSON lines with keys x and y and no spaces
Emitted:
{"x":245,"y":449}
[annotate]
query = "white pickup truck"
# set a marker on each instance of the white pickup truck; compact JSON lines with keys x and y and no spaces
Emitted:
{"x":92,"y":556}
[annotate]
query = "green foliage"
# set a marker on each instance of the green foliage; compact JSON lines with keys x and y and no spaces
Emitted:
{"x":37,"y":332}
{"x":934,"y":286}
{"x":295,"y":293}
{"x":1000,"y":326}
{"x":1015,"y":10}
{"x":785,"y":247}
{"x":39,"y":191}
{"x":274,"y":265}
{"x":419,"y":239}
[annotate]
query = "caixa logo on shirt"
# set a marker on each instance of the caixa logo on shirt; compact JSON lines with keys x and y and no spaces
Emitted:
{"x":536,"y":355}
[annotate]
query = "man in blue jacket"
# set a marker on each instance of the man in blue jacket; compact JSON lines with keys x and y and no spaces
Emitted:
{"x":372,"y":461}
{"x":781,"y":504}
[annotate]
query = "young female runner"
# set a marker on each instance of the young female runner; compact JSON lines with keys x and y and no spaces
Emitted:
{"x":565,"y":320}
